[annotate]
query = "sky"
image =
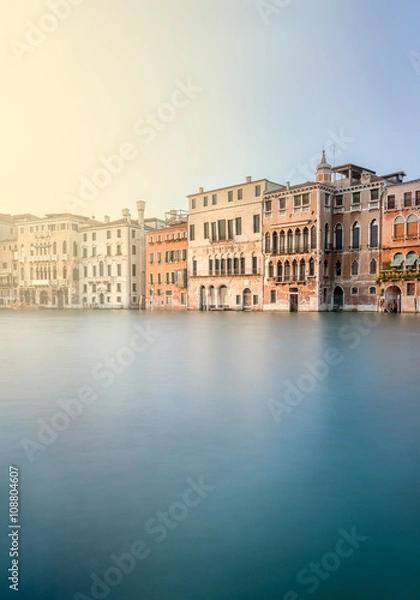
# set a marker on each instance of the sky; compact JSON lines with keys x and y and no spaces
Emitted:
{"x":104,"y":103}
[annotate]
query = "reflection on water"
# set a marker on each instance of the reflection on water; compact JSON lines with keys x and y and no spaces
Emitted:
{"x":188,"y":398}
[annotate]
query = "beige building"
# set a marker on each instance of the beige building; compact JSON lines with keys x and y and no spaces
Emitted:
{"x":226,"y":262}
{"x":8,"y":261}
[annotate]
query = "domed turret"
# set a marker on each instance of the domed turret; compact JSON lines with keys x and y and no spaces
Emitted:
{"x":323,"y":170}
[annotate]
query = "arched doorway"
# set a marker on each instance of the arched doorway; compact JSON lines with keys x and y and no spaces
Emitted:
{"x":101,"y":298}
{"x":43,"y":298}
{"x":223,"y":303}
{"x":246,"y":299}
{"x":202,"y":298}
{"x":393,"y":299}
{"x":338,"y":298}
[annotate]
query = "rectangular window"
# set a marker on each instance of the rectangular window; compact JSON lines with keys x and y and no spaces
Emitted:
{"x":411,"y":289}
{"x":133,"y":233}
{"x":327,"y":200}
{"x":391,"y":202}
{"x":159,"y":258}
{"x":85,"y":271}
{"x":108,"y":235}
{"x":255,"y":300}
{"x":133,"y":249}
{"x":407,"y":199}
{"x":256,"y":223}
{"x":221,"y":229}
{"x":297,"y":201}
{"x":206,"y":231}
{"x":194,"y":267}
{"x":240,"y":194}
{"x":305,"y":199}
{"x":214,"y":199}
{"x":356,"y":198}
{"x":109,"y":270}
{"x":213,"y":232}
{"x":339,"y":201}
{"x":119,"y":270}
{"x":267,"y":206}
{"x":151,"y":258}
{"x":85,"y":237}
{"x":257,"y":190}
{"x":238,"y":299}
{"x":183,"y":298}
{"x":192,"y":233}
{"x":282,"y":204}
{"x":205,"y":201}
{"x":167,"y":278}
{"x":418,"y":198}
{"x":118,"y":233}
{"x":184,"y":254}
{"x":273,"y":296}
{"x":108,"y":250}
{"x":159,"y":278}
{"x":168,"y":297}
{"x":118,"y":287}
{"x":238,"y":226}
{"x":374,"y":195}
{"x":133,"y":270}
{"x":118,"y":249}
{"x":254,"y":265}
{"x":230,"y":229}
{"x":93,"y":236}
{"x":193,"y":203}
{"x":151,"y":278}
{"x":230,"y":196}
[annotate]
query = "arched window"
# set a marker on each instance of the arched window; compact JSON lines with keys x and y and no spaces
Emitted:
{"x":217,"y":266}
{"x":286,"y":271}
{"x":290,"y":241}
{"x":338,"y":268}
{"x":279,"y":270}
{"x":242,"y":264}
{"x":338,"y":237}
{"x":374,"y":234}
{"x":194,"y":266}
{"x":297,"y":240}
{"x":64,"y":247}
{"x":302,"y":270}
{"x":373,"y":267}
{"x":295,"y":270}
{"x":31,"y":276}
{"x":372,"y":290}
{"x":326,"y":268}
{"x":282,"y":242}
{"x":101,"y":269}
{"x":355,"y":236}
{"x":311,"y":267}
{"x":229,"y":265}
{"x":313,"y":237}
{"x":398,"y":227}
{"x":64,"y":272}
{"x":275,"y":242}
{"x":223,"y":266}
{"x":306,"y":240}
{"x":326,"y":236}
{"x":411,"y":260}
{"x":267,"y":243}
{"x":235,"y":265}
{"x":210,"y":266}
{"x":270,"y":269}
{"x":412,"y":226}
{"x":355,"y":267}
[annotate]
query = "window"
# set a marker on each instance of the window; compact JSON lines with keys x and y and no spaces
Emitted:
{"x":338,"y":268}
{"x":118,"y":287}
{"x":355,"y":267}
{"x":313,"y":238}
{"x":297,"y":201}
{"x":390,"y":203}
{"x":239,"y":194}
{"x":118,"y":248}
{"x":326,"y":268}
{"x":108,"y":234}
{"x":119,"y":270}
{"x":255,"y":300}
{"x":407,"y":199}
{"x":374,"y":234}
{"x":338,"y":237}
{"x":84,"y":252}
{"x":193,"y":203}
{"x":85,"y":273}
{"x":270,"y":269}
{"x":374,"y":195}
{"x":339,"y":201}
{"x":133,"y":233}
{"x":183,"y":298}
{"x":257,"y":190}
{"x":168,"y":297}
{"x":221,"y":229}
{"x":327,"y":236}
{"x":109,"y":270}
{"x":410,"y":289}
{"x":242,"y":262}
{"x":305,"y":199}
{"x":206,"y":230}
{"x":134,"y":287}
{"x":213,"y":232}
{"x":238,"y":226}
{"x":93,"y":236}
{"x":159,"y":258}
{"x":210,"y":266}
{"x":372,"y":290}
{"x":118,"y":233}
{"x":254,"y":265}
{"x":373,"y":267}
{"x":85,"y":237}
{"x":192,"y":233}
{"x":230,"y":196}
{"x":230,"y":229}
{"x":267,"y":245}
{"x":412,"y":226}
{"x":256,"y":223}
{"x":267,"y":206}
{"x":151,"y":258}
{"x":214,"y":199}
{"x":283,"y":242}
{"x":133,"y":249}
{"x":327,"y":200}
{"x":119,"y":299}
{"x":355,"y":236}
{"x":398,"y":227}
{"x":194,"y":267}
{"x":354,"y":291}
{"x":238,"y":299}
{"x":205,"y":201}
{"x":108,"y":250}
{"x":356,"y":198}
{"x":273,"y":296}
{"x":151,"y":278}
{"x":93,"y":250}
{"x":417,"y":199}
{"x":184,"y":254}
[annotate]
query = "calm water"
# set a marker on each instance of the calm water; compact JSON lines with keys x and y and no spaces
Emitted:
{"x":204,"y":398}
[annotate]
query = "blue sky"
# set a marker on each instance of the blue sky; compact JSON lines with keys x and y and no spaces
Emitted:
{"x":268,"y":92}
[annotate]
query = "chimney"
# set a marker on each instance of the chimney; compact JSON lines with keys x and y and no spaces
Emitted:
{"x":126,"y":215}
{"x":140,"y":210}
{"x":249,"y":179}
{"x":288,"y":185}
{"x":200,"y":190}
{"x":106,"y":219}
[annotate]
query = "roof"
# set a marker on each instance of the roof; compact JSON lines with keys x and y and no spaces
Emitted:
{"x":229,"y":187}
{"x":346,"y":167}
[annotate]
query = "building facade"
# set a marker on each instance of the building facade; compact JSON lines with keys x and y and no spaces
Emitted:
{"x":225,"y":249}
{"x":8,"y":262}
{"x":166,"y":264}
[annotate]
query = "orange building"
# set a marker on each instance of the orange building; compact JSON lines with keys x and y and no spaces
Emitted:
{"x":400,"y":274}
{"x":166,"y":264}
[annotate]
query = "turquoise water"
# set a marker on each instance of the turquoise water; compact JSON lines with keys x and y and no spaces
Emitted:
{"x":211,"y":455}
